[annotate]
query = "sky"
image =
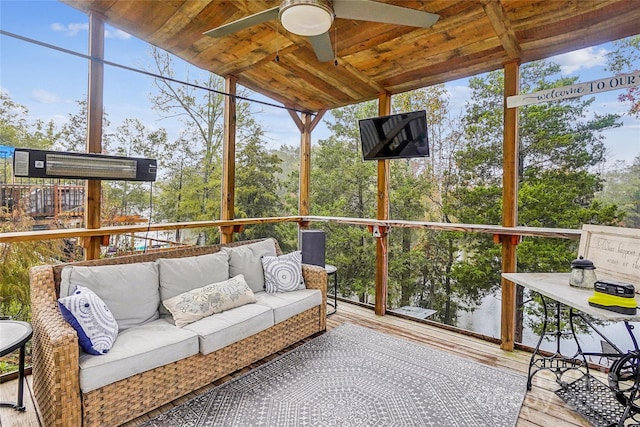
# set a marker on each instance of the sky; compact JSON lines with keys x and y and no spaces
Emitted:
{"x":49,"y":83}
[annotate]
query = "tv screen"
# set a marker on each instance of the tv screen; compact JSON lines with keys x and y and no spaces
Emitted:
{"x":397,"y":136}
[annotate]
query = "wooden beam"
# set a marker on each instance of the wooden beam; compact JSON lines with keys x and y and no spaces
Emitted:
{"x":382,"y":242}
{"x":502,"y":27}
{"x":296,"y":120}
{"x":361,"y":76}
{"x":510,"y":204}
{"x":94,"y":130}
{"x":316,"y":120}
{"x":227,"y":205}
{"x":305,"y":166}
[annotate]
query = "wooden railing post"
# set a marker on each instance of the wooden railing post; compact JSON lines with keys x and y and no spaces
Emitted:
{"x":227,"y":205}
{"x":382,"y":242}
{"x":94,"y":130}
{"x":510,"y":205}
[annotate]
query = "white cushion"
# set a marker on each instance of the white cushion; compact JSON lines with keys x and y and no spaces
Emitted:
{"x":222,"y":329}
{"x":129,"y":290}
{"x":283,"y":273}
{"x":96,"y":327}
{"x":288,"y":304}
{"x":137,"y":350}
{"x":213,"y":298}
{"x":180,"y":275}
{"x":245,"y":260}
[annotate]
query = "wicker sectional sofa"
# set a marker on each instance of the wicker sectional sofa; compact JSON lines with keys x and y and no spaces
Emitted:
{"x":73,"y":388}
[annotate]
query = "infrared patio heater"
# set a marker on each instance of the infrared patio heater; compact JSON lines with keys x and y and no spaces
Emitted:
{"x":31,"y":163}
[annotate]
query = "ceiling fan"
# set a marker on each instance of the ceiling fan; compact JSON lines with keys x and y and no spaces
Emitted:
{"x":313,"y":19}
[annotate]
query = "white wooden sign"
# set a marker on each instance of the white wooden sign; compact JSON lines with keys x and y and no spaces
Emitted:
{"x":615,"y":251}
{"x":603,"y":85}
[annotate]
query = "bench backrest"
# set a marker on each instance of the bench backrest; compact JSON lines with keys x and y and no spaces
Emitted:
{"x":615,"y":251}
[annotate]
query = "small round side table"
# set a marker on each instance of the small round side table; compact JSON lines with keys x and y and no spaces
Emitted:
{"x":14,"y":335}
{"x":332,"y":270}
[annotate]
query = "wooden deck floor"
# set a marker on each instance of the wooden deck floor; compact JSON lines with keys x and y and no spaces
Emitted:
{"x":541,"y":407}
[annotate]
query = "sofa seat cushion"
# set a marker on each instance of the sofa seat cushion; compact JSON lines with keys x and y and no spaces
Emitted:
{"x":288,"y":304}
{"x":180,"y":275}
{"x":131,"y":291}
{"x":222,"y":329}
{"x":137,"y":350}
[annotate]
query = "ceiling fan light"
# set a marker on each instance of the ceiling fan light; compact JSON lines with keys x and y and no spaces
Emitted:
{"x":306,"y":17}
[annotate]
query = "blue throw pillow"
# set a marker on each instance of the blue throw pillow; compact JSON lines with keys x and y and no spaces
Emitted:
{"x":91,"y":318}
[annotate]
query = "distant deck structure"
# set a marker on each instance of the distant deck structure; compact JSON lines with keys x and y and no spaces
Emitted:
{"x":47,"y":203}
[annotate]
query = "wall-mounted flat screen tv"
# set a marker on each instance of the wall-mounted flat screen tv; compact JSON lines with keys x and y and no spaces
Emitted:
{"x":396,"y":136}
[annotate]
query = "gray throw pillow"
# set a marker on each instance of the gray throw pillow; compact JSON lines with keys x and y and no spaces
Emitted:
{"x":283,"y":273}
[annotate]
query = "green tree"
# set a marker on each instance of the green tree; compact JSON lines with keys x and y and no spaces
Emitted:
{"x":191,"y":177}
{"x":624,"y":59}
{"x":257,"y":185}
{"x":344,"y":185}
{"x":558,"y":150}
{"x":622,"y":188}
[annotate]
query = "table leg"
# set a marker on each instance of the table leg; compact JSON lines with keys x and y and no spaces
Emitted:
{"x":557,"y":363}
{"x":20,"y":405}
{"x":335,"y":293}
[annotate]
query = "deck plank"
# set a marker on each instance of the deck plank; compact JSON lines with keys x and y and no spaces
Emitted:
{"x":541,"y":407}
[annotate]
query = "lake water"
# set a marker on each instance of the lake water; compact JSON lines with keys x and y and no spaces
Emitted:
{"x":486,"y":320}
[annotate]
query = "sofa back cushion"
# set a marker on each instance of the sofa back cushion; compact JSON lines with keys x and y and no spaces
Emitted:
{"x":131,"y":291}
{"x":246,"y":260}
{"x":180,"y":275}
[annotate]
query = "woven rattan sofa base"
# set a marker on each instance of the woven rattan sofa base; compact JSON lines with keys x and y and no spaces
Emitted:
{"x":56,"y":355}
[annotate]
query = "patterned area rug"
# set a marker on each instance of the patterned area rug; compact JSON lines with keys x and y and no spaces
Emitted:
{"x":354,"y":376}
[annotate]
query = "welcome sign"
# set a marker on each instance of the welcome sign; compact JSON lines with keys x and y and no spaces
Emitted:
{"x":615,"y":251}
{"x":603,"y":85}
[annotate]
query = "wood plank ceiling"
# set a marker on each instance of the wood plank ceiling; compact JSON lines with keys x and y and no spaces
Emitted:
{"x":471,"y":37}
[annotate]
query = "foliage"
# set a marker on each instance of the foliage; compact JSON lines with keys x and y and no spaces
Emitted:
{"x":257,"y":186}
{"x":343,"y":185}
{"x":15,"y":261}
{"x":558,"y":150}
{"x":622,"y":188}
{"x":621,"y":60}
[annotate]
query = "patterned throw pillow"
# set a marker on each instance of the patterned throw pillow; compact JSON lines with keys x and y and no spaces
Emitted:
{"x":214,"y":298}
{"x":91,"y":318}
{"x":283,"y":273}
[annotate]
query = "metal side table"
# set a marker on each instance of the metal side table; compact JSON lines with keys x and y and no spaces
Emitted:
{"x":15,"y":335}
{"x":332,"y":270}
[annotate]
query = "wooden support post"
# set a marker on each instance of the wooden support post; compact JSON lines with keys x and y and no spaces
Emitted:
{"x":305,"y":166}
{"x":510,"y":204}
{"x":305,"y":126}
{"x":227,"y":205}
{"x":94,"y":129}
{"x":382,"y":242}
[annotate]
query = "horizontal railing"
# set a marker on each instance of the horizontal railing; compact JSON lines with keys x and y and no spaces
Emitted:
{"x":303,"y":221}
{"x":23,"y":236}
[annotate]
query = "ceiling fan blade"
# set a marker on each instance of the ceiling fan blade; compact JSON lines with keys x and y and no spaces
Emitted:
{"x":241,"y":24}
{"x":322,"y":47}
{"x":367,"y":10}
